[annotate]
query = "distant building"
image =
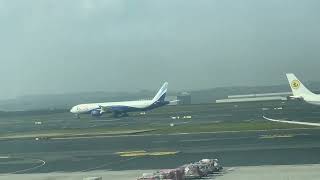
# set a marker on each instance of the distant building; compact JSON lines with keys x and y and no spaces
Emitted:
{"x":272,"y":98}
{"x":172,"y":99}
{"x":284,"y":94}
{"x":184,"y":98}
{"x":256,"y":97}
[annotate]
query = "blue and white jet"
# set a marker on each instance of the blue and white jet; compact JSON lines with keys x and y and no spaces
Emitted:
{"x":120,"y":109}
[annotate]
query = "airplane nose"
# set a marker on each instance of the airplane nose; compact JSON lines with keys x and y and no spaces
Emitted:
{"x":72,"y":110}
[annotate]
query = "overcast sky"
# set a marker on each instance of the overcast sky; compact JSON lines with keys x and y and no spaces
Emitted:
{"x":50,"y":46}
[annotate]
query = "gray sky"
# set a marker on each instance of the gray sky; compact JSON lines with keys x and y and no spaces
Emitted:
{"x":51,"y":46}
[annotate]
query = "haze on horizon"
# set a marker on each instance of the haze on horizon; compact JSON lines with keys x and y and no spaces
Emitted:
{"x":121,"y":45}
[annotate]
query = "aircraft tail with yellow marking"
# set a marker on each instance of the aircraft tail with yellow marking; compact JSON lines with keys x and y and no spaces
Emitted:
{"x":298,"y":89}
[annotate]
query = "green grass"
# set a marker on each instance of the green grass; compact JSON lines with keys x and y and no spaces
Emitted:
{"x":71,"y":133}
{"x":162,"y":129}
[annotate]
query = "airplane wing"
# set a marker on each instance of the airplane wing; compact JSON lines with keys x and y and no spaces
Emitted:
{"x":104,"y":109}
{"x":296,"y":97}
{"x":293,"y":122}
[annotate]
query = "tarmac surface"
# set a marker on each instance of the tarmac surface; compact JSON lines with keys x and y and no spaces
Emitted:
{"x":274,"y":172}
{"x":146,"y":152}
{"x":283,"y":147}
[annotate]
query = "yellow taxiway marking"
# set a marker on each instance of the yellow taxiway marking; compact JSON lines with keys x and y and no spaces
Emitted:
{"x":276,"y":136}
{"x":145,"y":153}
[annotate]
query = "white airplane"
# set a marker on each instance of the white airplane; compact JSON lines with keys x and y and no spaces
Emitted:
{"x":122,"y":108}
{"x":301,"y":92}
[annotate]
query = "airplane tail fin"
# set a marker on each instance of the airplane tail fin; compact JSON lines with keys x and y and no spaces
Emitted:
{"x":161,"y":95}
{"x":298,"y":89}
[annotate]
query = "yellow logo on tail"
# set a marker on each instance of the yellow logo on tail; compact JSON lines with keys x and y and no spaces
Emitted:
{"x":295,"y":84}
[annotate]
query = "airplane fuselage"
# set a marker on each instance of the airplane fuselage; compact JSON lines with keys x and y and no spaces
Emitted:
{"x":312,"y":99}
{"x":299,"y":91}
{"x":121,"y":107}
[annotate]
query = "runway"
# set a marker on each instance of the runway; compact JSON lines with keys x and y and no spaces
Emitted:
{"x":158,"y":151}
{"x":234,"y":149}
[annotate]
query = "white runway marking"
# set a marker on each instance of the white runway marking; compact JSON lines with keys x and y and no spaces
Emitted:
{"x":28,"y":169}
{"x":276,"y":136}
{"x":164,"y":141}
{"x":213,"y":139}
{"x":111,"y":120}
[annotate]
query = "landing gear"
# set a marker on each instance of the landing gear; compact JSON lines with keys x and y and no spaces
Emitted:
{"x":77,"y":116}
